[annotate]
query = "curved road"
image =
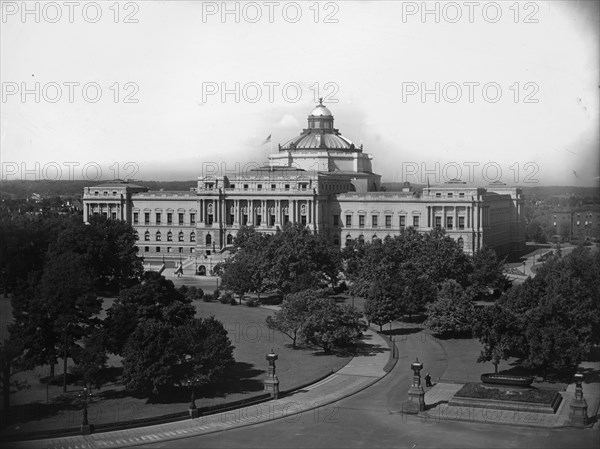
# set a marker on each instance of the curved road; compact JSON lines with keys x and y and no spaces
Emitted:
{"x":371,"y":418}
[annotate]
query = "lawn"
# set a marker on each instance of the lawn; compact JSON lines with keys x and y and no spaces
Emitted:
{"x":44,"y":407}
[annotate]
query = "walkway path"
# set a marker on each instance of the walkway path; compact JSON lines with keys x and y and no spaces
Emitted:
{"x":319,"y":398}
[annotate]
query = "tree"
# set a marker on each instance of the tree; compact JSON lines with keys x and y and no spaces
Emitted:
{"x":92,"y":358}
{"x":452,"y":312}
{"x":159,"y":355}
{"x":329,"y":325}
{"x":52,"y":313}
{"x":11,"y":352}
{"x":497,"y":330}
{"x":292,"y":316}
{"x":487,"y":275}
{"x":297,"y":259}
{"x":382,"y":306}
{"x":156,"y":298}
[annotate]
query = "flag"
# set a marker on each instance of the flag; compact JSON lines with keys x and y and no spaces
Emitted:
{"x":267,"y":140}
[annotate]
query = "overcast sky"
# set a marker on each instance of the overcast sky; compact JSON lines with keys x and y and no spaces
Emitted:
{"x":482,"y":91}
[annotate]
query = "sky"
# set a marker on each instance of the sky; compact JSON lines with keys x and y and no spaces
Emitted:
{"x":150,"y":90}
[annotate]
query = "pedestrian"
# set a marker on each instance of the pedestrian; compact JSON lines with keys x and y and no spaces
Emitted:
{"x":428,"y":380}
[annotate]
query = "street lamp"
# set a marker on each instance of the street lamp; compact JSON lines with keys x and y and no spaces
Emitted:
{"x":85,"y":426}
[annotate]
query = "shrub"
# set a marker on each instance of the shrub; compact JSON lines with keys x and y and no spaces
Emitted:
{"x":216,"y":293}
{"x":252,"y":303}
{"x":207,"y":298}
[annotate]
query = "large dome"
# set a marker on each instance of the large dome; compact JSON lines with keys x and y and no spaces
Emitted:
{"x":320,"y":133}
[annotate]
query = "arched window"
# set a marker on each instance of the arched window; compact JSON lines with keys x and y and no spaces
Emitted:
{"x":158,"y":236}
{"x":193,"y":237}
{"x":229,"y":239}
{"x":208,"y":239}
{"x":181,"y":236}
{"x":348,"y":240}
{"x":147,"y":236}
{"x":169,"y":236}
{"x":136,"y":235}
{"x":361,"y":238}
{"x":461,"y":243}
{"x":336,"y":241}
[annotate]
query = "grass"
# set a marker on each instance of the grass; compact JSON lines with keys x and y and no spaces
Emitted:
{"x":534,"y":395}
{"x":31,"y":411}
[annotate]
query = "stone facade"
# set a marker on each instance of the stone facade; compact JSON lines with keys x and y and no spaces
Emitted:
{"x":321,"y":180}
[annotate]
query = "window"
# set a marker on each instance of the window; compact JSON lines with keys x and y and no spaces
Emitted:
{"x":180,"y":236}
{"x":169,"y":218}
{"x":258,"y":220}
{"x":114,"y":193}
{"x":336,"y":241}
{"x":245,"y":186}
{"x":361,"y":221}
{"x":336,"y":220}
{"x":147,"y":236}
{"x":287,"y":187}
{"x":146,"y":249}
{"x":113,"y":215}
{"x":461,"y":243}
{"x":147,"y":218}
{"x":303,"y":220}
{"x":158,"y":249}
{"x":136,"y":217}
{"x":180,"y":218}
{"x":449,"y":222}
{"x":461,"y":195}
{"x":105,"y":193}
{"x":259,"y":186}
{"x":229,"y":239}
{"x":449,"y":194}
{"x":192,"y":219}
{"x":416,"y":221}
{"x":438,"y":195}
{"x":402,"y":221}
{"x":348,"y":240}
{"x":303,"y":186}
{"x":180,"y":249}
{"x":374,"y":219}
{"x":388,"y":221}
{"x":193,"y":237}
{"x":348,"y":220}
{"x":273,"y":186}
{"x":158,"y":236}
{"x":438,"y":222}
{"x":169,"y":249}
{"x":158,"y":218}
{"x":209,"y":219}
{"x":208,"y":239}
{"x":169,"y":236}
{"x":461,"y":222}
{"x":271,"y":220}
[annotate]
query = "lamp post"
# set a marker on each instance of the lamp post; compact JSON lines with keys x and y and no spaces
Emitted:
{"x":578,"y":414}
{"x":86,"y":429}
{"x":192,"y":409}
{"x":272,"y":382}
{"x":416,"y":394}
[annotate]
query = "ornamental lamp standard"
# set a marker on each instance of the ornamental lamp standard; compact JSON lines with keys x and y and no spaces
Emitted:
{"x":272,"y":382}
{"x":86,"y":429}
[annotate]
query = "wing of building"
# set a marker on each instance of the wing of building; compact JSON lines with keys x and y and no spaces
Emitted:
{"x":319,"y":179}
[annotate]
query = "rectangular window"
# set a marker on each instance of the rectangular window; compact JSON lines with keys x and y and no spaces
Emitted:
{"x":287,"y":187}
{"x":361,"y":221}
{"x":169,"y":218}
{"x":402,"y":221}
{"x":209,"y":219}
{"x":438,"y":195}
{"x":461,"y":195}
{"x":336,"y":220}
{"x":192,"y":219}
{"x":147,"y":218}
{"x":273,"y":186}
{"x":449,"y":222}
{"x":450,"y":195}
{"x":349,"y":220}
{"x":146,"y":249}
{"x":259,"y":187}
{"x":180,"y":249}
{"x":244,"y":220}
{"x":158,"y":218}
{"x":388,"y":221}
{"x":303,"y":220}
{"x":461,"y":222}
{"x":374,"y":220}
{"x":258,"y":220}
{"x":245,"y":186}
{"x":271,"y":220}
{"x":416,"y":221}
{"x":158,"y":249}
{"x":136,"y":217}
{"x":180,"y":218}
{"x":438,"y":222}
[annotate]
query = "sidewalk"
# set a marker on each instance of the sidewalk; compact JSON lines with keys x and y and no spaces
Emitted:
{"x":319,"y":398}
